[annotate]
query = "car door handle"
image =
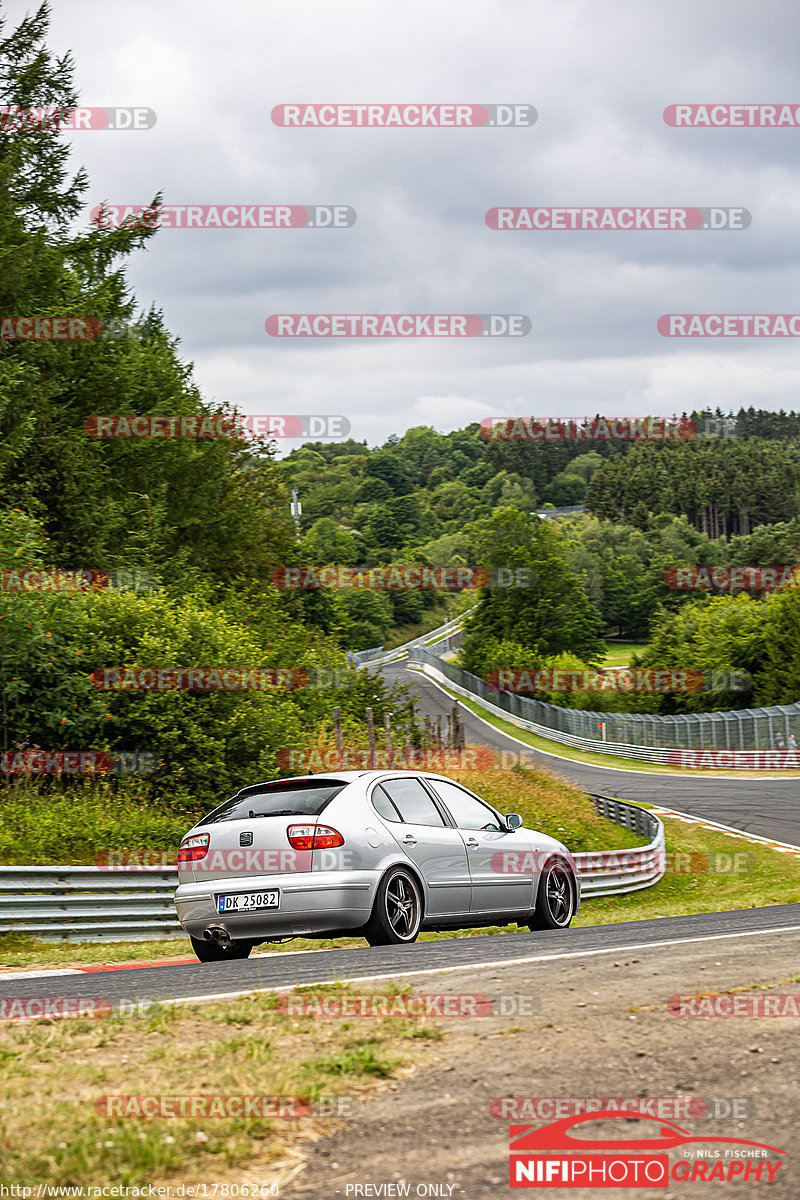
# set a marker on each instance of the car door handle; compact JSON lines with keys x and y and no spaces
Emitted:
{"x":472,"y":844}
{"x":408,"y":840}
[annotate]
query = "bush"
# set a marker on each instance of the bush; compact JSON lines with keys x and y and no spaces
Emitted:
{"x":208,"y":741}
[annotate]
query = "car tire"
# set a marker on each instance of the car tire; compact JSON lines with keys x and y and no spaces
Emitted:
{"x":213,"y":952}
{"x":555,"y":897}
{"x":397,"y":912}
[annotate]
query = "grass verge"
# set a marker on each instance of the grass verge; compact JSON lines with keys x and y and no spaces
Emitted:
{"x":57,"y":1072}
{"x":37,"y":828}
{"x":707,"y":872}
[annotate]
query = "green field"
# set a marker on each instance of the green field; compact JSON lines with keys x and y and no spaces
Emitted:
{"x":618,"y":654}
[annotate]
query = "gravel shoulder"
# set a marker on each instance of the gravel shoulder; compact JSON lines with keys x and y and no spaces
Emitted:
{"x":602,"y":1029}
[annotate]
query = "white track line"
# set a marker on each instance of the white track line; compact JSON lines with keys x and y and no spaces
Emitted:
{"x":484,"y":966}
{"x":105,"y":969}
{"x":43,"y":974}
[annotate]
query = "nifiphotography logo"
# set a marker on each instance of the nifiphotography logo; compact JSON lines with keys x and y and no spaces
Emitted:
{"x":553,"y":1156}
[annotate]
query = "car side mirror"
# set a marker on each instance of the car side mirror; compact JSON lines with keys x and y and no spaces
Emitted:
{"x":513,"y":821}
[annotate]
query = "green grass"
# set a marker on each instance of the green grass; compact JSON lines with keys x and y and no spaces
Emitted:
{"x":759,"y":877}
{"x":358,"y":1059}
{"x":52,"y":1133}
{"x":618,"y":654}
{"x":76,"y":827}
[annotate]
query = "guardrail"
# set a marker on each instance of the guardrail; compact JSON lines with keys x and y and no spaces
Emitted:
{"x":615,"y":872}
{"x":355,"y":658}
{"x":88,"y":903}
{"x":93,"y":904}
{"x":380,"y":656}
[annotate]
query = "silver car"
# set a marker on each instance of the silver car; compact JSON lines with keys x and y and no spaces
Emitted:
{"x":380,"y":854}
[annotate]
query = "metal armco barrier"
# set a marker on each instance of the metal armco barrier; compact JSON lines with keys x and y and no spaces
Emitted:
{"x":614,"y":872}
{"x":90,"y":904}
{"x":379,"y":656}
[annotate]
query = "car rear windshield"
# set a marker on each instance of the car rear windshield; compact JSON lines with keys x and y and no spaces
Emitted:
{"x":306,"y":798}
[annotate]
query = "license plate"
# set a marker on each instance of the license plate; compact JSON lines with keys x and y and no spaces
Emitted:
{"x":245,"y":902}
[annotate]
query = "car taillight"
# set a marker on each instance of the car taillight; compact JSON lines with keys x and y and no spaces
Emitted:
{"x":313,"y":837}
{"x":193,"y":848}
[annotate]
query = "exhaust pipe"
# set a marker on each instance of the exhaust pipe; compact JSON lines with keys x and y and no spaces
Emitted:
{"x":215,"y":933}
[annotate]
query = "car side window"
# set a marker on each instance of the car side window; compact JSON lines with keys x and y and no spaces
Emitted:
{"x":412,"y":802}
{"x":383,"y":805}
{"x":468,"y":812}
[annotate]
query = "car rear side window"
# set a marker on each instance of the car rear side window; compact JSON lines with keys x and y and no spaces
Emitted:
{"x":412,"y":802}
{"x":302,"y":799}
{"x":383,"y":805}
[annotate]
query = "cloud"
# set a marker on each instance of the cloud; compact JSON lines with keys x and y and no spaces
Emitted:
{"x":420,"y":243}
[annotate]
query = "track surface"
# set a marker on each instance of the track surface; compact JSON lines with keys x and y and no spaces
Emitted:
{"x":767,"y":807}
{"x":325,"y":966}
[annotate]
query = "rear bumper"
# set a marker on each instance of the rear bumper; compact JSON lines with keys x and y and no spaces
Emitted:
{"x":309,"y":903}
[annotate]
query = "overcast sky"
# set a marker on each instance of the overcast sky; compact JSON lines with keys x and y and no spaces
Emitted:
{"x":599,"y":77}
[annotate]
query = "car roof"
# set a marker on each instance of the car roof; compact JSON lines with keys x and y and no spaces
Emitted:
{"x":342,"y":777}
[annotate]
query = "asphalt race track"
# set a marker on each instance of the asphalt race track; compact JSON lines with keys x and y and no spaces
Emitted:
{"x":283,"y":970}
{"x":767,"y":807}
